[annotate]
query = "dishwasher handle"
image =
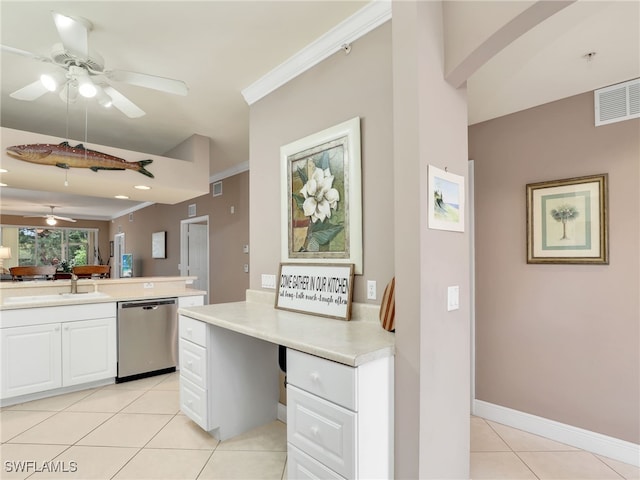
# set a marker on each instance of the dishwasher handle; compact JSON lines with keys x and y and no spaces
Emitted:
{"x":147,"y":304}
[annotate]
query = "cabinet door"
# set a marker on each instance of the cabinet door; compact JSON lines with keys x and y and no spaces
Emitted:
{"x":88,"y":350}
{"x":30,"y":359}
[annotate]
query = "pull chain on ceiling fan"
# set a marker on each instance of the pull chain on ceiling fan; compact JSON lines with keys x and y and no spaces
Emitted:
{"x":83,"y":71}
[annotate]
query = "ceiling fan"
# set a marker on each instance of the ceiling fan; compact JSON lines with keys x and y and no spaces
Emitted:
{"x":51,"y":219}
{"x":83,"y":71}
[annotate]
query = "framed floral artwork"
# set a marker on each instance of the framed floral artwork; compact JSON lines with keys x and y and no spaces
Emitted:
{"x":567,"y":221}
{"x":321,"y":197}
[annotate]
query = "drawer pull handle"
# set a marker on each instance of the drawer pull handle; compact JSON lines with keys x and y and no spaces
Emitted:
{"x":189,"y":402}
{"x":189,"y":363}
{"x":314,"y":431}
{"x":315,"y":376}
{"x":189,"y":331}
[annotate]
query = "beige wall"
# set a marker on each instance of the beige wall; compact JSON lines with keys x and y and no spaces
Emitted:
{"x":432,"y":369}
{"x":228,"y":232}
{"x":340,"y":88}
{"x":558,"y":341}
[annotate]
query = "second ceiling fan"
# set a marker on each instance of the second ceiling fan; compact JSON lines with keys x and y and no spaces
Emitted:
{"x":51,"y":219}
{"x":82,"y":71}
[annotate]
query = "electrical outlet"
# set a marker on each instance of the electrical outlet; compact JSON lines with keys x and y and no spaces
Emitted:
{"x":371,"y":289}
{"x":246,"y":268}
{"x":268,"y":281}
{"x":148,"y":285}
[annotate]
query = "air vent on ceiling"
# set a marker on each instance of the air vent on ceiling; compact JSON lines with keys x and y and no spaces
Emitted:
{"x":217,"y":189}
{"x":618,"y":102}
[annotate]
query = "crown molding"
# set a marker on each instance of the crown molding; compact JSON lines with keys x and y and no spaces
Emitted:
{"x":230,"y":172}
{"x":357,"y":25}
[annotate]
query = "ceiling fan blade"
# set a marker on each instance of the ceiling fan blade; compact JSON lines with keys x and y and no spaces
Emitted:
{"x":74,"y":33}
{"x":30,"y":92}
{"x":123,"y":104}
{"x":24,"y":53}
{"x":169,"y":85}
{"x":65,"y":219}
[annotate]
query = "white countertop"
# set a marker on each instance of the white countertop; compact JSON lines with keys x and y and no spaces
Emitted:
{"x":351,"y":342}
{"x":36,"y":294}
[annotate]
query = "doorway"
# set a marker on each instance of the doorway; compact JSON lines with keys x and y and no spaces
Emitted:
{"x":194,"y":252}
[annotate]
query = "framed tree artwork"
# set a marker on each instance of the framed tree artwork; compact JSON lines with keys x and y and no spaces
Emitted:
{"x":321,"y":197}
{"x":567,"y":221}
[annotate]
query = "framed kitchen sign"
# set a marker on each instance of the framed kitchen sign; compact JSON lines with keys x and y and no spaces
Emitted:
{"x":158,"y":240}
{"x":321,"y":197}
{"x":319,"y":289}
{"x":446,"y":200}
{"x":567,"y":221}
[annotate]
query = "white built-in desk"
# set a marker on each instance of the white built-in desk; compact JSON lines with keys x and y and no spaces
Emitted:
{"x":339,"y":382}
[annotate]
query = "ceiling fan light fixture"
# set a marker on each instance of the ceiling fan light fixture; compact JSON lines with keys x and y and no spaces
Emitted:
{"x":69,"y":92}
{"x":49,"y":82}
{"x":51,"y":221}
{"x":86,"y":88}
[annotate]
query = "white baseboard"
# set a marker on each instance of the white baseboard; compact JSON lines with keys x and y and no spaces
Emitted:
{"x":610,"y":447}
{"x":282,"y":413}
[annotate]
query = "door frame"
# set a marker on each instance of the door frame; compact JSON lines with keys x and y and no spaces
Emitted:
{"x":118,"y":250}
{"x":184,"y":253}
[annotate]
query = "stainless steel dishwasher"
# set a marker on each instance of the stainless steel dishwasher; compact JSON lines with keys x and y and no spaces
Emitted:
{"x":147,"y":338}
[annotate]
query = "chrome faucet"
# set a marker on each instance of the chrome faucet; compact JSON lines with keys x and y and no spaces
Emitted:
{"x":74,"y":283}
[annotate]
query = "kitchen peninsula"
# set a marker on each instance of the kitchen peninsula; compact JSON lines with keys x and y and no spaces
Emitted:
{"x":53,"y":341}
{"x":339,"y":382}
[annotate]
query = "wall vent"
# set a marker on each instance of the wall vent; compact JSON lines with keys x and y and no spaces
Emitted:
{"x":618,"y":102}
{"x":217,"y":189}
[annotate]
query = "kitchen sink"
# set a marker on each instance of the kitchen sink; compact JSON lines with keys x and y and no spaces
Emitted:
{"x":59,"y":297}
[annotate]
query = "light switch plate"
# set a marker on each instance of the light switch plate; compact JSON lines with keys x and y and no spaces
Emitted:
{"x":453,"y":298}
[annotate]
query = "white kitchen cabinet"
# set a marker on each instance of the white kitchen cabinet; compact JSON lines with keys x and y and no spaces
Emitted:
{"x":228,"y":381}
{"x":31,"y":359}
{"x":52,"y":347}
{"x":88,"y":351}
{"x":339,"y":418}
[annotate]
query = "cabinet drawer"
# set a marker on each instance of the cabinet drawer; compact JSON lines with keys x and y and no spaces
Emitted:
{"x":193,"y":402}
{"x":330,"y":380}
{"x":193,"y":363}
{"x":302,"y":466}
{"x":193,"y":330}
{"x":191,"y":301}
{"x":322,"y":430}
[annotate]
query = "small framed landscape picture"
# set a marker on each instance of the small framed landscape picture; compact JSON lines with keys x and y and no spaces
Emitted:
{"x":567,"y":221}
{"x":446,"y":200}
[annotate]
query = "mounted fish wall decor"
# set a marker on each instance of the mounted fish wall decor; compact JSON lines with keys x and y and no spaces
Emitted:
{"x":66,"y":156}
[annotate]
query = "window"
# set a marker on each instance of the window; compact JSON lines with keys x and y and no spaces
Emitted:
{"x":52,"y":246}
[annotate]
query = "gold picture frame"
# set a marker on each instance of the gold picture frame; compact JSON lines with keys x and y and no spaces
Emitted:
{"x":567,"y":221}
{"x":321,"y":195}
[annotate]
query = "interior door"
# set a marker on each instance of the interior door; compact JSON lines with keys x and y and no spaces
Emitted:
{"x":194,"y":241}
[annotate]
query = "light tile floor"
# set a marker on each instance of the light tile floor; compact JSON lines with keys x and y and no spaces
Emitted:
{"x":134,"y":430}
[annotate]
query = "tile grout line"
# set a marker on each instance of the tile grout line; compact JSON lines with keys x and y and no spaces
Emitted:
{"x":512,"y":450}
